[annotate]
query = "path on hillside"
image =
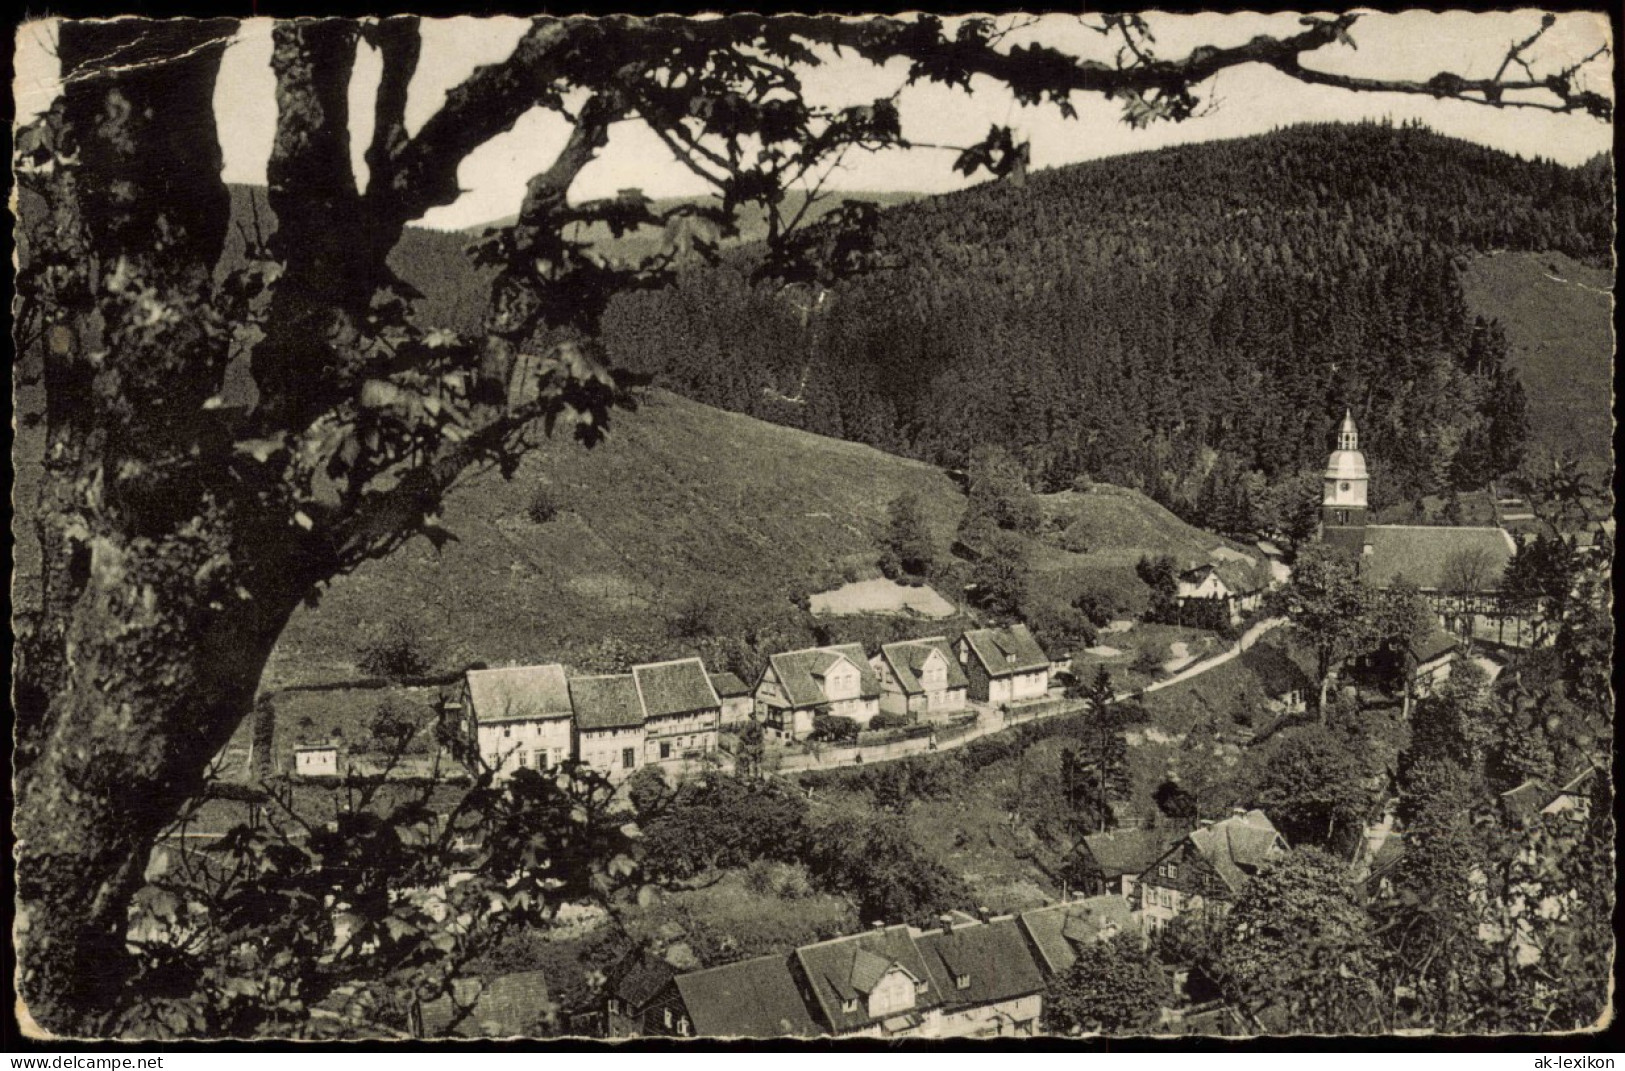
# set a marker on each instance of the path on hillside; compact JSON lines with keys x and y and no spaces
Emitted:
{"x":991,"y":722}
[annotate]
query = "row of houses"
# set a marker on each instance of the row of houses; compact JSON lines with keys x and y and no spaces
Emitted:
{"x":966,"y":977}
{"x":540,"y":716}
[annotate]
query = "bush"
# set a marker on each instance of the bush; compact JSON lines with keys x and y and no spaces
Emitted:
{"x":1150,"y":659}
{"x":887,"y":720}
{"x":695,"y":619}
{"x":541,"y":508}
{"x":398,"y":651}
{"x":834,"y":729}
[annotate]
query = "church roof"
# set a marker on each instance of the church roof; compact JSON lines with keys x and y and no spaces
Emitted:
{"x":1346,"y":465}
{"x":1423,"y":554}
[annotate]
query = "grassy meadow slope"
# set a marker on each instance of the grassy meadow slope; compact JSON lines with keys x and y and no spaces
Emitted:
{"x":684,"y":505}
{"x":1558,"y":315}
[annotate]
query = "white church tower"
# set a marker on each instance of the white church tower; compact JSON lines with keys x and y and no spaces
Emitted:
{"x":1343,"y":502}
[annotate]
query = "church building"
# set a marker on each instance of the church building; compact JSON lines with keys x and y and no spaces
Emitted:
{"x":1458,"y":568}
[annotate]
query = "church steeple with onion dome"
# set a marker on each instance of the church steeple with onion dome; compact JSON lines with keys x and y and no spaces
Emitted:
{"x":1343,"y":503}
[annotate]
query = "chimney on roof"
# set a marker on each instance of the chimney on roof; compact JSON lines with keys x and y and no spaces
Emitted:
{"x":983,"y":913}
{"x":947,"y":922}
{"x":877,"y":925}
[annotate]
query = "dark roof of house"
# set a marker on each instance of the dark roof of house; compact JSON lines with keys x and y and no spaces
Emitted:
{"x":729,"y":686}
{"x":518,"y":693}
{"x":1422,"y":554}
{"x":638,"y":979}
{"x":1128,"y":851}
{"x":802,"y":672}
{"x":1276,"y":671}
{"x":836,"y":969}
{"x":678,"y":687}
{"x":1057,"y":931}
{"x":1434,"y":644}
{"x":510,"y":1005}
{"x":1236,"y":847}
{"x":755,"y":998}
{"x":992,"y":956}
{"x":609,"y":702}
{"x":907,"y":658}
{"x":1005,"y":652}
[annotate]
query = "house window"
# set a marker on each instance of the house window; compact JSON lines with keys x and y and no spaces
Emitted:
{"x":629,"y":759}
{"x":849,"y":1005}
{"x":1173,"y":870}
{"x":665,"y":749}
{"x":682,"y":1026}
{"x":524,"y":760}
{"x":507,"y":731}
{"x":614,"y":1006}
{"x":668,"y":1018}
{"x":961,"y":981}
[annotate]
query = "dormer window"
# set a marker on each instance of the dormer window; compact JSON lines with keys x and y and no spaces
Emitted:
{"x":849,"y":1005}
{"x":961,"y":981}
{"x":919,"y":989}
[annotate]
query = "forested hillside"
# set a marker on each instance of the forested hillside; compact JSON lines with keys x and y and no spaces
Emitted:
{"x":1173,"y":320}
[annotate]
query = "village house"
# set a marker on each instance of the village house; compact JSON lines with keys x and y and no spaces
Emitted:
{"x":1056,"y":933}
{"x":798,"y":685}
{"x":681,"y":710}
{"x":1003,"y":665}
{"x":920,"y":677}
{"x":507,"y":1006}
{"x":316,"y":760}
{"x":734,"y":693}
{"x":632,"y":992}
{"x":1429,"y":659}
{"x":985,"y":976}
{"x":873,"y":984}
{"x":1207,"y":868}
{"x":753,"y":998}
{"x":1537,"y":798}
{"x":1112,"y":862}
{"x":609,"y":734}
{"x":518,"y":716}
{"x":1236,"y":582}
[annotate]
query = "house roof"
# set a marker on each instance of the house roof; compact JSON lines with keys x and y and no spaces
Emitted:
{"x":1276,"y":671}
{"x":802,"y":672}
{"x":1126,"y":851}
{"x":994,"y":955}
{"x":1005,"y":652}
{"x":729,"y":686}
{"x":1535,"y":795}
{"x":608,"y":702}
{"x":510,"y":1005}
{"x":678,"y":687}
{"x":834,"y":969}
{"x":638,"y":979}
{"x":752,"y":998}
{"x":1422,"y":554}
{"x":1434,"y":644}
{"x":518,"y":693}
{"x":1057,"y":931}
{"x":1237,"y":846}
{"x":907,"y":658}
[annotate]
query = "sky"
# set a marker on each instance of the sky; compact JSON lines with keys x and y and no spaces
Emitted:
{"x":1243,"y":101}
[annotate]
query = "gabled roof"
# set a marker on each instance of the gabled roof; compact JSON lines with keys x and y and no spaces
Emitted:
{"x":907,"y":658}
{"x":518,"y":693}
{"x":994,"y":955}
{"x":802,"y":672}
{"x":677,"y":687}
{"x":830,"y":967}
{"x":1534,"y":796}
{"x":756,"y":998}
{"x":1236,"y":847}
{"x":1127,"y":851}
{"x":729,"y":686}
{"x":638,"y":979}
{"x":608,"y":702}
{"x":1057,"y":931}
{"x":1434,"y":644}
{"x":1422,"y":554}
{"x":1005,"y":652}
{"x":510,"y":1005}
